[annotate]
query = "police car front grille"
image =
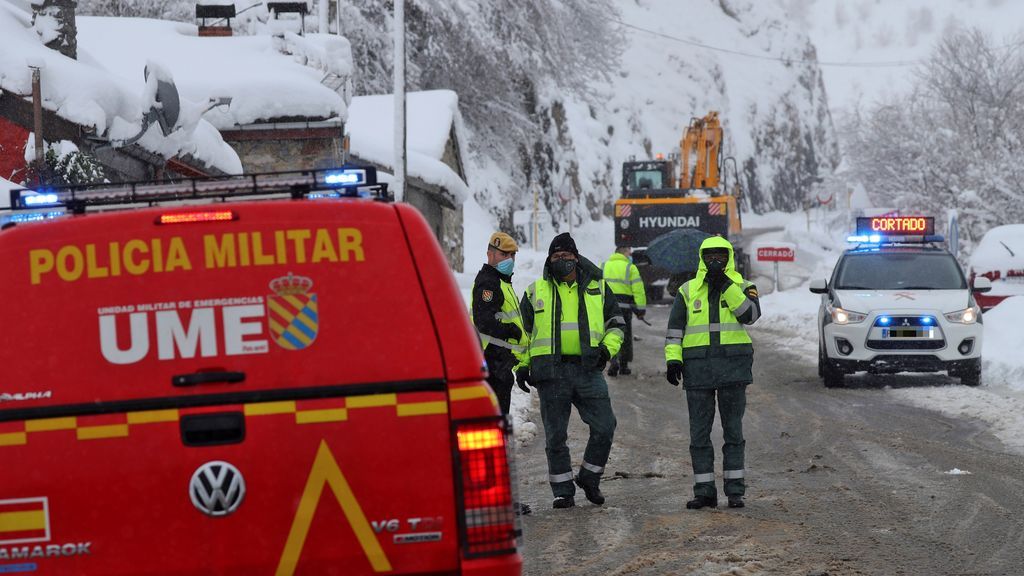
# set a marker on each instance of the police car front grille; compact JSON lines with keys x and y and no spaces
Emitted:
{"x":906,"y":344}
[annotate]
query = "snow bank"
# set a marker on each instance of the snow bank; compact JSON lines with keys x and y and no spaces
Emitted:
{"x":1001,"y":250}
{"x":5,"y":192}
{"x":430,"y":117}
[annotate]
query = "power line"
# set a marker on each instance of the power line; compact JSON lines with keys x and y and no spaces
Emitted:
{"x":879,"y":64}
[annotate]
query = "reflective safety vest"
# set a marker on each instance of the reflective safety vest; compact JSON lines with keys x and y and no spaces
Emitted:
{"x":509,"y":314}
{"x":542,"y":297}
{"x":624,"y":279}
{"x":695,"y":339}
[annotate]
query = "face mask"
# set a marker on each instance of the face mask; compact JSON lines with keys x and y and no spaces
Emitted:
{"x":715,"y":265}
{"x":505,"y":266}
{"x":562,"y":268}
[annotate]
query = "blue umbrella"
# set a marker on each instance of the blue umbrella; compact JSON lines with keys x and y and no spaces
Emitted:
{"x":677,"y":251}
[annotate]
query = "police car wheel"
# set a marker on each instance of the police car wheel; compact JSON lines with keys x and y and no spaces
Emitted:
{"x":831,"y":375}
{"x":970,"y":375}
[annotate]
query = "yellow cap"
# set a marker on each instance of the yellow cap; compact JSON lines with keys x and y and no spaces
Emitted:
{"x":503,"y":242}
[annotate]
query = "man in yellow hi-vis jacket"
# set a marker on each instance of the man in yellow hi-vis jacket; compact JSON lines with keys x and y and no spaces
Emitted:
{"x":574,"y":327}
{"x":624,"y":279}
{"x":709,"y":349}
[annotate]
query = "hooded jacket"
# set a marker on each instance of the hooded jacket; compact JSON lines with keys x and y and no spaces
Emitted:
{"x":542,"y":367}
{"x":718,"y":364}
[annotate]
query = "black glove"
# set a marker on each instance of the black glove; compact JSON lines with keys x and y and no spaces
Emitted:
{"x":514,"y":333}
{"x":640,"y":314}
{"x":523,"y":379}
{"x":718,"y":280}
{"x":675,"y":372}
{"x":603,"y":357}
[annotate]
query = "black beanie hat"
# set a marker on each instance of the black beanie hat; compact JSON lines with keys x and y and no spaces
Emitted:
{"x":563,"y":243}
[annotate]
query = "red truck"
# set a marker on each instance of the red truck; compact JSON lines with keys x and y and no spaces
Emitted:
{"x":268,"y":374}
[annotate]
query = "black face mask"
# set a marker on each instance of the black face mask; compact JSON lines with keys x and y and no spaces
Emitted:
{"x":715,"y":266}
{"x":562,"y":268}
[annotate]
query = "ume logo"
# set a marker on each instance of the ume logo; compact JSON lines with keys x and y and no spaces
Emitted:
{"x":183,"y":333}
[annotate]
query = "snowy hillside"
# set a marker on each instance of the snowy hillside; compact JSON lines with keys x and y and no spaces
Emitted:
{"x":876,"y":43}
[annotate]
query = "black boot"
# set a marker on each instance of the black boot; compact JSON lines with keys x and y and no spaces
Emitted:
{"x":613,"y":369}
{"x":592,"y":491}
{"x":699,"y":502}
{"x":624,"y":369}
{"x":563,"y":502}
{"x":736,"y":501}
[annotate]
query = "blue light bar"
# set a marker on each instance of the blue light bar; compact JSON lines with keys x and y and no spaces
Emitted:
{"x":864,"y":239}
{"x":42,"y":199}
{"x":345,"y":177}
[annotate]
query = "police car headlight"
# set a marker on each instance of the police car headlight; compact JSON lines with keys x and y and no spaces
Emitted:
{"x":965,"y":316}
{"x":842,"y":316}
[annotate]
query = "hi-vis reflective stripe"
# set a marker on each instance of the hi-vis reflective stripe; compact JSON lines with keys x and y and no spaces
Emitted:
{"x":743,"y":307}
{"x":699,"y":478}
{"x":614,"y":320}
{"x":674,"y":333}
{"x":320,"y":415}
{"x":732,"y":474}
{"x":592,"y":467}
{"x":570,"y":326}
{"x":325,"y":472}
{"x":713,"y":327}
{"x":488,"y":340}
{"x":510,"y":315}
{"x":558,"y":478}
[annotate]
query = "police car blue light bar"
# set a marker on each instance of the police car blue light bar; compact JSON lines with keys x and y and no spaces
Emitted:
{"x":41,"y":199}
{"x":350,"y":177}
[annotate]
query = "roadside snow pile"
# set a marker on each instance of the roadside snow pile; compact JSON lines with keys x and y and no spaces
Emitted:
{"x":1001,"y":250}
{"x":1003,"y":343}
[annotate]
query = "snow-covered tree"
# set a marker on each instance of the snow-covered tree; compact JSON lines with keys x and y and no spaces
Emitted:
{"x":954,"y":142}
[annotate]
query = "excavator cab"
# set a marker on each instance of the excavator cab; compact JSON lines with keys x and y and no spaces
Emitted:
{"x":640,"y":178}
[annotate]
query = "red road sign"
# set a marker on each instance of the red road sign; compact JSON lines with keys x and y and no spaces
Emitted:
{"x":775,"y":254}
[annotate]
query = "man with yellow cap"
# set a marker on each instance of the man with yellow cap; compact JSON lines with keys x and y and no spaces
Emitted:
{"x":495,"y":313}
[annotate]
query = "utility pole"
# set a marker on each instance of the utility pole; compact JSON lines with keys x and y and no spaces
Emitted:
{"x":399,"y":97}
{"x":37,"y":119}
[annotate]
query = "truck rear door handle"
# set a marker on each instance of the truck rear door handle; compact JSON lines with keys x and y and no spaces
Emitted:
{"x":213,"y":429}
{"x":211,"y":377}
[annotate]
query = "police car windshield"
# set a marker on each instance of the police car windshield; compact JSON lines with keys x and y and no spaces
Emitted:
{"x":899,"y":271}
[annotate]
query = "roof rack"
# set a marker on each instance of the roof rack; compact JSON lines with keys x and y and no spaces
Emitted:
{"x":348,"y":181}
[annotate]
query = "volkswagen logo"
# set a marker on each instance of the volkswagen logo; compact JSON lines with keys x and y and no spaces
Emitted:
{"x":217,"y":488}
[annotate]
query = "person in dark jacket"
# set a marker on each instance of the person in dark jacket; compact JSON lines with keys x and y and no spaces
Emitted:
{"x":495,"y":312}
{"x":708,"y":349}
{"x":574,"y":327}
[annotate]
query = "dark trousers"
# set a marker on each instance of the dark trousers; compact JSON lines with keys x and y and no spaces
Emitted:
{"x":500,"y":377}
{"x":625,"y":354}
{"x":586,"y":389}
{"x":732,"y":402}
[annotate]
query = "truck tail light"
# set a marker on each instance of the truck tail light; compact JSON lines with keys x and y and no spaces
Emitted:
{"x":487,"y":519}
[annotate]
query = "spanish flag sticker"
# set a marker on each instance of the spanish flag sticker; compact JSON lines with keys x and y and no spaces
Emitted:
{"x":24,"y":520}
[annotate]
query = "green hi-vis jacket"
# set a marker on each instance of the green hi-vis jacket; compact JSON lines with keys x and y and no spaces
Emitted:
{"x":595,"y":322}
{"x":624,"y":279}
{"x":705,"y":327}
{"x":494,"y":310}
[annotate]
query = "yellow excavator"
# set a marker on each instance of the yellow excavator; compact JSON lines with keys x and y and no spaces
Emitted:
{"x":655,"y":200}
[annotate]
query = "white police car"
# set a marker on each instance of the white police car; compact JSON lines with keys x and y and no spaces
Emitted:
{"x":898,"y":302}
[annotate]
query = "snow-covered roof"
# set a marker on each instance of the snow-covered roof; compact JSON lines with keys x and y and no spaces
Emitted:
{"x":5,"y":192}
{"x":85,"y":92}
{"x":263,"y":82}
{"x":430,"y":118}
{"x":1001,"y":249}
